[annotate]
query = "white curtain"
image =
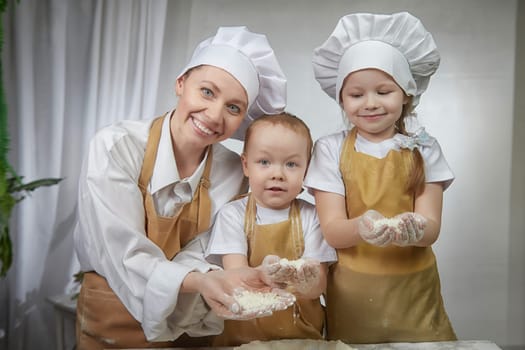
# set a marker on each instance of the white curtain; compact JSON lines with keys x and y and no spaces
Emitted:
{"x":70,"y":68}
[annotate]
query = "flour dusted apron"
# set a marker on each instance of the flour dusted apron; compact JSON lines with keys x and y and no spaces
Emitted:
{"x":102,"y":320}
{"x":303,"y":320}
{"x":389,"y":294}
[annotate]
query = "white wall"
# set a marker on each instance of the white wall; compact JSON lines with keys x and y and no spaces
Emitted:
{"x":468,"y":107}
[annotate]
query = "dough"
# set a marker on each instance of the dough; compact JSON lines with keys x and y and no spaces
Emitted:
{"x":295,"y":344}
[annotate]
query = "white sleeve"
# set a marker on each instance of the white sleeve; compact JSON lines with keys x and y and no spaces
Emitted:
{"x":192,"y":315}
{"x":228,"y":236}
{"x":110,"y":237}
{"x":323,"y":173}
{"x":315,"y":246}
{"x":436,"y":166}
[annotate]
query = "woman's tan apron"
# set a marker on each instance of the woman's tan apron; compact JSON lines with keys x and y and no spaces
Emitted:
{"x":102,"y":320}
{"x":306,"y":318}
{"x":389,"y":294}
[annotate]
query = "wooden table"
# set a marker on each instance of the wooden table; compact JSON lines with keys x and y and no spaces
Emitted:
{"x":449,"y":345}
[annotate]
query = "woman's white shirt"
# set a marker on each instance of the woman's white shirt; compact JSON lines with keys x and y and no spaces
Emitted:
{"x":110,"y":234}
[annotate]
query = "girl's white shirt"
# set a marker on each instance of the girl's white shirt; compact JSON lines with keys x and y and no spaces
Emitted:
{"x":324,"y":173}
{"x":228,"y":236}
{"x":110,"y":234}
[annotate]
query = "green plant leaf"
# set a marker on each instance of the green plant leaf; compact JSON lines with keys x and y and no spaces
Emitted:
{"x":6,"y":251}
{"x":12,"y":189}
{"x":33,"y":185}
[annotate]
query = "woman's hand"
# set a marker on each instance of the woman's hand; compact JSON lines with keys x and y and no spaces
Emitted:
{"x":220,"y":289}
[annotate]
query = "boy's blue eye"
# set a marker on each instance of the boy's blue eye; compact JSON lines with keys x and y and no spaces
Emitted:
{"x":264,"y":162}
{"x":291,"y":164}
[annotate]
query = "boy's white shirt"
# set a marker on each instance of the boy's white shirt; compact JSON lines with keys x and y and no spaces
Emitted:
{"x":228,"y":236}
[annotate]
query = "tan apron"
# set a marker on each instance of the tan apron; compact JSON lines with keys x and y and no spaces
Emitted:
{"x":389,"y":294}
{"x":305,"y":319}
{"x":102,"y":320}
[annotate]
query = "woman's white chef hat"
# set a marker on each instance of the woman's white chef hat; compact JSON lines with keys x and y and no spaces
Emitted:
{"x":397,"y":44}
{"x":250,"y":59}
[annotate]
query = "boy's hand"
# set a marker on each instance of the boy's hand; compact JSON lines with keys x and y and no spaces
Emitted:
{"x":274,"y":273}
{"x":296,"y":276}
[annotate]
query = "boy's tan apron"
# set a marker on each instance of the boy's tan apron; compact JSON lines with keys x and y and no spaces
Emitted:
{"x":305,"y":319}
{"x":389,"y":294}
{"x":102,"y":320}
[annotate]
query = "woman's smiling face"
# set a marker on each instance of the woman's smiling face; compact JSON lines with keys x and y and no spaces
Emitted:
{"x":212,"y":105}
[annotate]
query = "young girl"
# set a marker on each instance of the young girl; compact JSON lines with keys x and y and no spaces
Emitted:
{"x":270,"y":223}
{"x":149,"y":191}
{"x":379,"y":186}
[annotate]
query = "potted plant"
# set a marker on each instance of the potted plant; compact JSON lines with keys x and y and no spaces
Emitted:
{"x":12,"y":189}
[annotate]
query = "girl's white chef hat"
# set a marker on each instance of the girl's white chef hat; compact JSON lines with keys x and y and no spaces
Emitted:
{"x":250,"y":59}
{"x":397,"y":44}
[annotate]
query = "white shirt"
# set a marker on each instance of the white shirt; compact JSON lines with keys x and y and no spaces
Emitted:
{"x":110,"y":236}
{"x":228,"y":235}
{"x":324,"y":174}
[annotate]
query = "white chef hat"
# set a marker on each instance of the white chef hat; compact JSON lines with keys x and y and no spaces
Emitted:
{"x":250,"y":59}
{"x":397,"y":44}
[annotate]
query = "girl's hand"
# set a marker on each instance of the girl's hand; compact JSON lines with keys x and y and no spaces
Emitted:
{"x":375,"y":229}
{"x":410,"y":229}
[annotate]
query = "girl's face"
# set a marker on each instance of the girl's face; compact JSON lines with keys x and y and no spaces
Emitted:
{"x":212,"y":105}
{"x":373,"y":102}
{"x":275,"y":162}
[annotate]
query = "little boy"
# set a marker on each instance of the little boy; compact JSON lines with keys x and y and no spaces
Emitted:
{"x":270,"y":225}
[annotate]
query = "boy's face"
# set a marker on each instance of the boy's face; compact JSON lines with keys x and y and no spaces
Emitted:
{"x":275,"y":161}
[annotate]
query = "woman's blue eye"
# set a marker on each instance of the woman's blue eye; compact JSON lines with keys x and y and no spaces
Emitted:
{"x":206,"y":92}
{"x":234,"y":109}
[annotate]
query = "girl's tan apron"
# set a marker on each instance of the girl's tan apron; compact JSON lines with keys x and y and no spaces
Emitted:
{"x":102,"y":320}
{"x":389,"y":294}
{"x":306,"y":318}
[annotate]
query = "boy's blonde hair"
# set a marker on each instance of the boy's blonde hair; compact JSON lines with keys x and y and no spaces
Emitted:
{"x":287,"y":120}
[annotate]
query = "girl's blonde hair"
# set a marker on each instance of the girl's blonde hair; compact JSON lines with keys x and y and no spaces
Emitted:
{"x":287,"y":120}
{"x":416,"y":181}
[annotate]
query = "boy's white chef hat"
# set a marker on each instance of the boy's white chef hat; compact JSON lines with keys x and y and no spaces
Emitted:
{"x":250,"y":59}
{"x":397,"y":44}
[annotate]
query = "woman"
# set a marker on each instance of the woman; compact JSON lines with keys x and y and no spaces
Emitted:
{"x":149,"y":191}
